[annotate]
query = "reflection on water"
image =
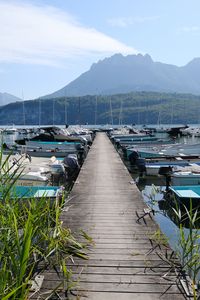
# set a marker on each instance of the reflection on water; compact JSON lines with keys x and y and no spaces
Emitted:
{"x":180,"y":215}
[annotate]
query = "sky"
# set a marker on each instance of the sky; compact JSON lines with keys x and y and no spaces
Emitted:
{"x":46,"y":44}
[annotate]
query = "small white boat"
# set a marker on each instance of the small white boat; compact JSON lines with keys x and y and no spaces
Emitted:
{"x":28,"y":171}
{"x":10,"y":130}
{"x":188,"y":175}
{"x":185,"y":178}
{"x":152,"y":169}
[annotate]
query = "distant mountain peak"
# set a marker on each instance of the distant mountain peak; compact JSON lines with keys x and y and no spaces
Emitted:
{"x":119,"y":59}
{"x":6,"y":98}
{"x":134,"y":72}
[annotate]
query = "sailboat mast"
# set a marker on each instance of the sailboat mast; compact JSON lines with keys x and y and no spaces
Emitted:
{"x":66,"y":119}
{"x":95,"y":116}
{"x":23,"y":109}
{"x":172,"y":112}
{"x":111,"y":112}
{"x":66,"y":111}
{"x":79,"y":110}
{"x":53,"y":111}
{"x":120,"y":112}
{"x":39,"y":112}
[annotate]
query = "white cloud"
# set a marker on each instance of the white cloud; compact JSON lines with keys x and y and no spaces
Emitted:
{"x":190,"y":29}
{"x":46,"y":35}
{"x":127,"y":21}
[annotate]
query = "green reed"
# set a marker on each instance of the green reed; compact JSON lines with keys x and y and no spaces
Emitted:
{"x":189,"y":240}
{"x":31,"y":238}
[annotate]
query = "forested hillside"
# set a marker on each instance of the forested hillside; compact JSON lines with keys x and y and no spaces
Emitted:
{"x":137,"y":107}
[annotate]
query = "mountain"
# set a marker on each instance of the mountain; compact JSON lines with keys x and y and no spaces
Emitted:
{"x":123,"y":74}
{"x":6,"y":98}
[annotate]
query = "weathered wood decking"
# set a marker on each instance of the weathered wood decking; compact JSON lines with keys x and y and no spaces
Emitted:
{"x":103,"y":203}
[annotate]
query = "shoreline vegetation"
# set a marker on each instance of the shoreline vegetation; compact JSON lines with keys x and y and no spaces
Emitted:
{"x":32,"y":239}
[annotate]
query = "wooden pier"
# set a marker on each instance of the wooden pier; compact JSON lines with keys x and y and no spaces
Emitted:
{"x":123,"y":263}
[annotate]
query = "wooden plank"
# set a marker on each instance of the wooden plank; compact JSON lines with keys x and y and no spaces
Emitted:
{"x":120,"y":287}
{"x":134,"y":261}
{"x":130,"y":296}
{"x":118,"y":278}
{"x":99,"y":295}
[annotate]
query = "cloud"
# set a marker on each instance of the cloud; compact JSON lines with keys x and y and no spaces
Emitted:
{"x":190,"y":29}
{"x":46,"y":35}
{"x":127,"y":21}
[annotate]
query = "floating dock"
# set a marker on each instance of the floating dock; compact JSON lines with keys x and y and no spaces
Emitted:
{"x":126,"y":261}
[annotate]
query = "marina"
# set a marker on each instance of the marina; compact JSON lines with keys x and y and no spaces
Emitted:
{"x":122,"y":263}
{"x":125,"y":258}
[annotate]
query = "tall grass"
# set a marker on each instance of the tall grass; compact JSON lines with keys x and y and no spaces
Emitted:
{"x":189,"y":240}
{"x":31,"y":238}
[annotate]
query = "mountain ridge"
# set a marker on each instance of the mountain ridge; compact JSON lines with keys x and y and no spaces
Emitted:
{"x":122,"y":74}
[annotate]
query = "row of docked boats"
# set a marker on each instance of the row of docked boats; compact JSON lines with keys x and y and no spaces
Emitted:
{"x":53,"y":141}
{"x":177,"y":162}
{"x":39,"y":165}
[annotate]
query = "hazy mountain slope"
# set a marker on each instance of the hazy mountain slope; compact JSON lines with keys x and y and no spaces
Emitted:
{"x":121,"y":74}
{"x":6,"y":98}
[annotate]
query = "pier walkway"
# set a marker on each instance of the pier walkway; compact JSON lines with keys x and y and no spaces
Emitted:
{"x":122,"y":263}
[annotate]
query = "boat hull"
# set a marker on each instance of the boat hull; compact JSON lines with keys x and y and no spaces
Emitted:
{"x":185,"y":195}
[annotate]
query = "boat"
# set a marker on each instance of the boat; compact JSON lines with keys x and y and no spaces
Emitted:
{"x":53,"y":145}
{"x":32,"y":178}
{"x":154,"y":142}
{"x":185,"y":195}
{"x":189,"y":131}
{"x":48,"y":149}
{"x":10,"y":130}
{"x":133,"y":138}
{"x":178,"y":150}
{"x":33,"y":171}
{"x":57,"y":134}
{"x":34,"y":192}
{"x":185,"y":178}
{"x":187,"y":175}
{"x":152,"y":169}
{"x":175,"y":131}
{"x":27,"y":171}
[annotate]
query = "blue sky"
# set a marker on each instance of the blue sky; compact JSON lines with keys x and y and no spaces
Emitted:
{"x":46,"y":44}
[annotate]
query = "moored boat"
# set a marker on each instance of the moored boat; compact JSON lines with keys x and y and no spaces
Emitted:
{"x":185,"y":195}
{"x":37,"y":192}
{"x":185,"y":178}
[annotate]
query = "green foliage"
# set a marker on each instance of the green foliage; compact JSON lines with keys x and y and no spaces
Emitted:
{"x":135,"y":107}
{"x":189,"y":240}
{"x":31,"y":238}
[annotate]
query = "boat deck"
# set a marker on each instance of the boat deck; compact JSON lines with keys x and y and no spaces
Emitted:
{"x":122,"y":263}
